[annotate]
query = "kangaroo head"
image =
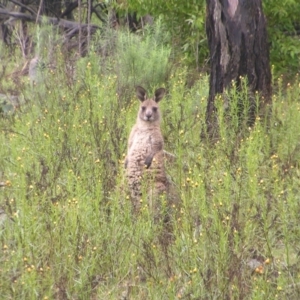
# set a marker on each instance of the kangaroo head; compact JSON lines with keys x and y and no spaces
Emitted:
{"x":149,"y":109}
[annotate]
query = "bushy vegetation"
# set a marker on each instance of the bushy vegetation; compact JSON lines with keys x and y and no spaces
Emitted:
{"x":67,"y":228}
{"x":283,"y":29}
{"x":186,"y":22}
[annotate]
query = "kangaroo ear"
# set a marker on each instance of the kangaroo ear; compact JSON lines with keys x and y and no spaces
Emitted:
{"x":141,"y":93}
{"x":159,"y":94}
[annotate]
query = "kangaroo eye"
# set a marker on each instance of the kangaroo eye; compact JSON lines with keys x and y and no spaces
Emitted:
{"x":154,"y":109}
{"x":143,"y":108}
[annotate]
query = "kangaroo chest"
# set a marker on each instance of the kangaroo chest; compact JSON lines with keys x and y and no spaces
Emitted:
{"x":145,"y":141}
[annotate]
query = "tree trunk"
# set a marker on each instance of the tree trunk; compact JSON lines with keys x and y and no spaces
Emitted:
{"x":237,"y":39}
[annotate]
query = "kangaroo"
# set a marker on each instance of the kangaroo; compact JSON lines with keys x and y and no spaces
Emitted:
{"x":144,"y":162}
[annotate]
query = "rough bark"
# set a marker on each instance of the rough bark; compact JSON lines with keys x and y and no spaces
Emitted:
{"x":237,"y":39}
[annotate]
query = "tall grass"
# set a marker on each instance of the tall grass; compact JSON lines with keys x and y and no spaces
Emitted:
{"x":70,"y":232}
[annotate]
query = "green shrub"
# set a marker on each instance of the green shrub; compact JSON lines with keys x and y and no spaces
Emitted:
{"x":69,"y":231}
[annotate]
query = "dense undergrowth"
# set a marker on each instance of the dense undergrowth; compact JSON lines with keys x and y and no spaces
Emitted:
{"x":69,"y":232}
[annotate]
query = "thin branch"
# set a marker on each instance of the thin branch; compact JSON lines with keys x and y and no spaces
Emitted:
{"x":17,"y":15}
{"x":26,"y":7}
{"x":89,"y":22}
{"x":69,"y":9}
{"x":98,"y":15}
{"x":64,"y":24}
{"x":39,"y":11}
{"x":79,"y":17}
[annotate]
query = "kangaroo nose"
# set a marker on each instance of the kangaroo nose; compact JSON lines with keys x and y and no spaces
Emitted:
{"x":148,"y":115}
